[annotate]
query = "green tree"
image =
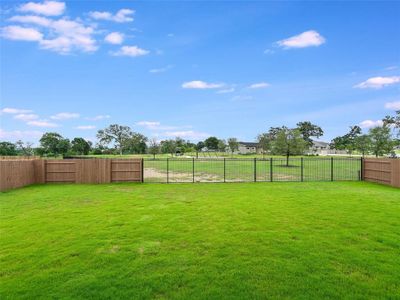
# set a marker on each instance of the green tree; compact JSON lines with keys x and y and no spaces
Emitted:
{"x":211,"y":143}
{"x":363,"y":144}
{"x":394,"y":123}
{"x":116,"y":134}
{"x":53,"y":144}
{"x":24,"y":148}
{"x":168,"y":146}
{"x":200,"y":145}
{"x":233,"y":145}
{"x":154,"y":147}
{"x":381,"y":140}
{"x":80,"y":146}
{"x":347,"y":141}
{"x":8,"y":149}
{"x":308,"y":130}
{"x":221,"y":145}
{"x":264,"y":142}
{"x":289,"y":142}
{"x":136,"y":143}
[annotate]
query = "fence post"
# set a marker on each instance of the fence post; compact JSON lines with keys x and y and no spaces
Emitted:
{"x":193,"y":167}
{"x":362,"y":168}
{"x":224,"y":169}
{"x":302,"y":169}
{"x":255,"y":169}
{"x":331,"y":168}
{"x":142,"y":169}
{"x":271,"y":173}
{"x":167,"y":170}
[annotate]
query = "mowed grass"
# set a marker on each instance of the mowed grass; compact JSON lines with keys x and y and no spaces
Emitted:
{"x":333,"y":240}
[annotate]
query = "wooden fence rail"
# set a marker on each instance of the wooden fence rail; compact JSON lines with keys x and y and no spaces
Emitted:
{"x":385,"y":171}
{"x":18,"y":173}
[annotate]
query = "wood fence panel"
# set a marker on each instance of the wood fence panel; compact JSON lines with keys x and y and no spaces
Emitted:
{"x":60,"y":171}
{"x":385,"y":171}
{"x":126,"y":170}
{"x":16,"y":173}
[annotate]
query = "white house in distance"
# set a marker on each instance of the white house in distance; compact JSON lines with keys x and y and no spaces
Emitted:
{"x":248,"y":148}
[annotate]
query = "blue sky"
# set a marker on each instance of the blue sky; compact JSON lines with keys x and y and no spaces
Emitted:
{"x":195,"y":69}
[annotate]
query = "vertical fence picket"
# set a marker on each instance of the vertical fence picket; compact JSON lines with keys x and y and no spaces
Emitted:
{"x":271,"y":172}
{"x":255,"y":169}
{"x":331,"y":168}
{"x":302,"y":169}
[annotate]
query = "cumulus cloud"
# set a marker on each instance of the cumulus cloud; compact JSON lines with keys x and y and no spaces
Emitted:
{"x":259,"y":85}
{"x":26,"y":117}
{"x":378,"y":82}
{"x":19,"y":134}
{"x":47,"y":8}
{"x":395,"y":105}
{"x":370,"y":123}
{"x":131,"y":51}
{"x":37,"y":20}
{"x":85,"y":127}
{"x":65,"y":116}
{"x":115,"y":38}
{"x":19,"y":33}
{"x":309,"y":38}
{"x":9,"y":110}
{"x":198,"y":84}
{"x":42,"y":123}
{"x":122,"y":16}
{"x":155,"y":125}
{"x":98,"y":117}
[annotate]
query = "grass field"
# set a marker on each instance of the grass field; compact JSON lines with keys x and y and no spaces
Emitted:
{"x":247,"y":170}
{"x":331,"y":240}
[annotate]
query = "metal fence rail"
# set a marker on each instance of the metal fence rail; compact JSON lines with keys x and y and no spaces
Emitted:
{"x":169,"y":170}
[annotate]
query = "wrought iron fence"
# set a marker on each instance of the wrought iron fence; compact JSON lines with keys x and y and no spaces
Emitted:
{"x":169,"y":170}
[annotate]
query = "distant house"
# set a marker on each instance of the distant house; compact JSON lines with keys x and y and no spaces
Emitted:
{"x":323,"y":148}
{"x":248,"y":148}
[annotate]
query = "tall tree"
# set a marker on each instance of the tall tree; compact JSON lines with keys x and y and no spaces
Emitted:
{"x":136,"y":143}
{"x":212,"y":143}
{"x":154,"y":147}
{"x":233,"y":145}
{"x":309,"y":130}
{"x":289,"y":142}
{"x":381,"y":140}
{"x":8,"y":149}
{"x":80,"y":146}
{"x":394,"y":123}
{"x":116,"y":134}
{"x":53,"y":144}
{"x":222,"y":146}
{"x":24,"y":148}
{"x":264,"y":142}
{"x":168,"y":146}
{"x":347,"y":141}
{"x":363,"y":144}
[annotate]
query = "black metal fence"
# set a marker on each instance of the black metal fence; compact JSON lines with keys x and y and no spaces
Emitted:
{"x":169,"y":170}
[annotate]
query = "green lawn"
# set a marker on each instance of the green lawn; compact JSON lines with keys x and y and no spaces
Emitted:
{"x":312,"y":240}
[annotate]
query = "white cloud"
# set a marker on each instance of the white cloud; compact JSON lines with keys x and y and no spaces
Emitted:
{"x":187,"y":134}
{"x":85,"y":127}
{"x":98,"y":117}
{"x":309,"y":38}
{"x":198,"y":84}
{"x":42,"y":123}
{"x":26,"y":117}
{"x":47,"y":8}
{"x":18,"y":134}
{"x":226,"y":91}
{"x":259,"y":85}
{"x":395,"y":105}
{"x":154,"y":125}
{"x":161,"y":70}
{"x":9,"y":110}
{"x":122,"y":16}
{"x":41,"y":21}
{"x":65,"y":116}
{"x":378,"y":82}
{"x":132,"y":51}
{"x":115,"y":38}
{"x":370,"y":123}
{"x":61,"y":36}
{"x":19,"y":33}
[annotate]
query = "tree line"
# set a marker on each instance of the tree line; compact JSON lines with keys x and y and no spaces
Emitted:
{"x":118,"y":139}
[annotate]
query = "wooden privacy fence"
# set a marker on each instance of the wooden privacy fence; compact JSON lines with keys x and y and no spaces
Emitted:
{"x":16,"y":173}
{"x":385,"y":171}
